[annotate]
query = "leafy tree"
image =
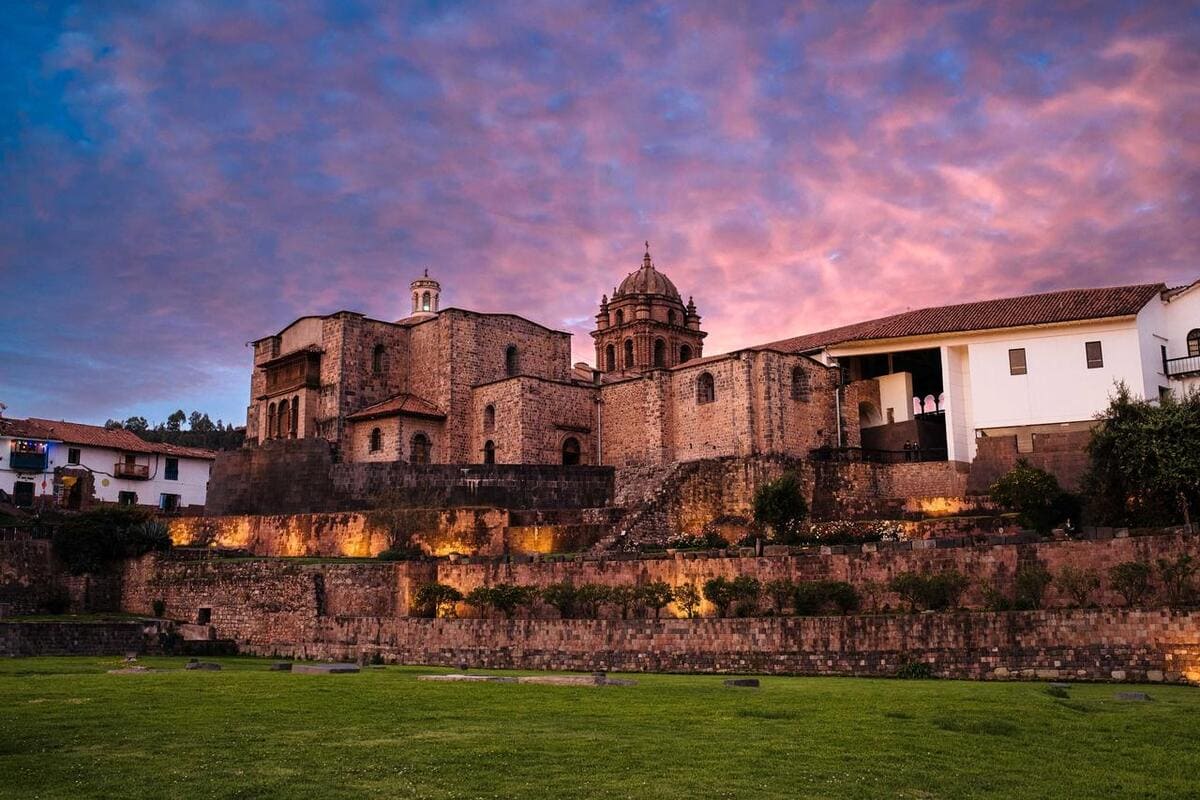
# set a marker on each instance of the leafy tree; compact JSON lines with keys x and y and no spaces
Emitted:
{"x":687,"y":597}
{"x":780,"y":504}
{"x":437,"y":599}
{"x":1144,"y":465}
{"x":1032,"y":581}
{"x":591,"y":596}
{"x":564,"y":597}
{"x":176,"y":420}
{"x":910,"y":586}
{"x":1131,"y":580}
{"x":1177,"y":577}
{"x":137,"y":424}
{"x":503,"y":597}
{"x":746,"y":590}
{"x":934,"y":592}
{"x":1079,"y":584}
{"x":780,"y":593}
{"x":625,"y":598}
{"x":656,"y":595}
{"x":1034,"y":494}
{"x":94,"y":540}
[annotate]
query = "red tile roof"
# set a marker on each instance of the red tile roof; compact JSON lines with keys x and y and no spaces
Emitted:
{"x":402,"y":404}
{"x":1072,"y":305}
{"x":97,"y":436}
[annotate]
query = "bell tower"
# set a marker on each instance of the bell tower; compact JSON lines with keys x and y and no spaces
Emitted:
{"x":645,"y":325}
{"x":425,"y":296}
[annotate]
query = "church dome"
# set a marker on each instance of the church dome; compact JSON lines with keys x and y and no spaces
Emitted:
{"x":648,"y":280}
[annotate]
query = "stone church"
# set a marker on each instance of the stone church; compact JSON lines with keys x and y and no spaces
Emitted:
{"x":448,"y":385}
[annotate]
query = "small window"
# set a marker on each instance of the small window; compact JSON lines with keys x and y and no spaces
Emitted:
{"x":168,"y":503}
{"x":1016,"y":361}
{"x":511,"y":360}
{"x":800,"y":384}
{"x":203,"y":616}
{"x":425,"y":306}
{"x":610,"y":358}
{"x":1164,"y":394}
{"x":620,"y":317}
{"x":171,"y":472}
{"x":685,"y":354}
{"x":660,"y":353}
{"x":376,"y":440}
{"x":706,"y":390}
{"x":72,"y":455}
{"x":489,"y":418}
{"x":419,"y":450}
{"x":127,"y":498}
{"x":1193,"y":342}
{"x":377,"y":360}
{"x":570,"y":452}
{"x":670,"y":317}
{"x":489,"y":452}
{"x":1095,"y":355}
{"x":628,"y":353}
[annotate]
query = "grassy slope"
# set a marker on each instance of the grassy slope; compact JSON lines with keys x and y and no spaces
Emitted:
{"x":69,"y":730}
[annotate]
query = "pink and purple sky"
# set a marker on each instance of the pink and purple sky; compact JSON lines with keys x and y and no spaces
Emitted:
{"x":178,"y":178}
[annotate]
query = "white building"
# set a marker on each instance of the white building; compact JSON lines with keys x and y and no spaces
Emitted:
{"x":71,"y":464}
{"x":1016,"y":366}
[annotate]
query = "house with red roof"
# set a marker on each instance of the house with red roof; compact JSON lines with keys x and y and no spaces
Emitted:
{"x":73,"y":465}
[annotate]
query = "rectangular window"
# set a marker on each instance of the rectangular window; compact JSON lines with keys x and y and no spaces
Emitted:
{"x":1095,"y":355}
{"x":72,"y":455}
{"x":127,"y":498}
{"x":172,"y":471}
{"x":1016,"y":361}
{"x":168,"y":502}
{"x":1164,"y":394}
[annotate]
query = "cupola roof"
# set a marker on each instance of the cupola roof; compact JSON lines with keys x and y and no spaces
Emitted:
{"x":648,"y":280}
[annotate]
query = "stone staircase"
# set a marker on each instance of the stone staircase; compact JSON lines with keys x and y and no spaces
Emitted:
{"x":640,"y":493}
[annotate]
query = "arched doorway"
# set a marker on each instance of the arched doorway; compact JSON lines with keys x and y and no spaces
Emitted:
{"x":489,"y":452}
{"x":570,"y":452}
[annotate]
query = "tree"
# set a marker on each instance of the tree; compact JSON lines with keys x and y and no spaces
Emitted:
{"x":780,"y":504}
{"x":687,"y":597}
{"x":719,"y":592}
{"x":437,"y":599}
{"x":94,"y":540}
{"x":176,"y":420}
{"x":503,"y":597}
{"x":137,"y":424}
{"x":1034,"y":494}
{"x":1032,"y":581}
{"x":1131,"y":580}
{"x":1177,"y":576}
{"x":564,"y":597}
{"x":656,"y":595}
{"x":746,"y":590}
{"x":200,"y":423}
{"x":779,"y":594}
{"x":1078,"y":583}
{"x":1144,"y":465}
{"x":591,"y":596}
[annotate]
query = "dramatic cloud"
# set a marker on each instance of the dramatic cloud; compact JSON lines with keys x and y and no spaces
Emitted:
{"x":179,"y":178}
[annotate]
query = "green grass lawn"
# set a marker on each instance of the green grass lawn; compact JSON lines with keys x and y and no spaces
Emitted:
{"x":68,"y":729}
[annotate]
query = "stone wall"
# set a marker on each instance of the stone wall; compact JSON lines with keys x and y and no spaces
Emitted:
{"x":1079,"y":645}
{"x":299,"y":476}
{"x":79,"y":638}
{"x":1064,"y":455}
{"x":28,"y":576}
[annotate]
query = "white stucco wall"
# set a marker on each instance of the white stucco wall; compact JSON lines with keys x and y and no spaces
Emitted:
{"x":192,"y":485}
{"x":896,"y":393}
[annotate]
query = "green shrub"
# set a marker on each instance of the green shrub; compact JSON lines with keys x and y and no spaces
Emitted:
{"x":505,"y":598}
{"x":811,"y":598}
{"x":1031,"y":583}
{"x":746,"y":592}
{"x":1035,"y":495}
{"x":936,"y":592}
{"x":656,"y":595}
{"x":1176,"y":577}
{"x":843,"y":597}
{"x":1079,"y":584}
{"x":994,"y":598}
{"x":687,"y":597}
{"x":709,"y":540}
{"x":780,"y":593}
{"x":915,"y":670}
{"x":1131,"y":580}
{"x":94,"y":540}
{"x":401,"y":554}
{"x":435,"y":598}
{"x":719,"y":592}
{"x":780,"y":504}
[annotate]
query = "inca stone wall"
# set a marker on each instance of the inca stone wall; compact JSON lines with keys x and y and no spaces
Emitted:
{"x":66,"y":638}
{"x":28,"y":577}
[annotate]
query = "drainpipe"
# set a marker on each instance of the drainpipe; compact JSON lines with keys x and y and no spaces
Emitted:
{"x":599,"y":433}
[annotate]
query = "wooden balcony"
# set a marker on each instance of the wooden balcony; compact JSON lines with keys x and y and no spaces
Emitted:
{"x":134,"y":472}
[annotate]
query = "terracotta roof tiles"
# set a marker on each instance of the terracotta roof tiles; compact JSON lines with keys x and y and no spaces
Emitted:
{"x":401,"y":404}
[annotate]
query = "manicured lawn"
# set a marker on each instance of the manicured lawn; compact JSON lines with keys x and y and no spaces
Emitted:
{"x":67,"y":729}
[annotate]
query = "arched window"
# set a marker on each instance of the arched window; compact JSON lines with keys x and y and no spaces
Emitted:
{"x":489,"y":452}
{"x":610,"y":358}
{"x":419,"y":449}
{"x":1193,"y":341}
{"x":425,"y":302}
{"x":416,"y":302}
{"x":377,"y":360}
{"x":685,"y":354}
{"x":570,"y":452}
{"x":489,"y":418}
{"x":660,"y":353}
{"x":281,"y":429}
{"x":376,"y":440}
{"x":868,"y":415}
{"x":511,"y":360}
{"x":628,"y":353}
{"x":706,"y":389}
{"x":799,"y":384}
{"x":271,"y":421}
{"x":620,"y":317}
{"x":294,"y":422}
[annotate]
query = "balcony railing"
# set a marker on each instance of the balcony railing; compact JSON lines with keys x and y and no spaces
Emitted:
{"x":137,"y":472}
{"x":1182,"y":367}
{"x":27,"y":462}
